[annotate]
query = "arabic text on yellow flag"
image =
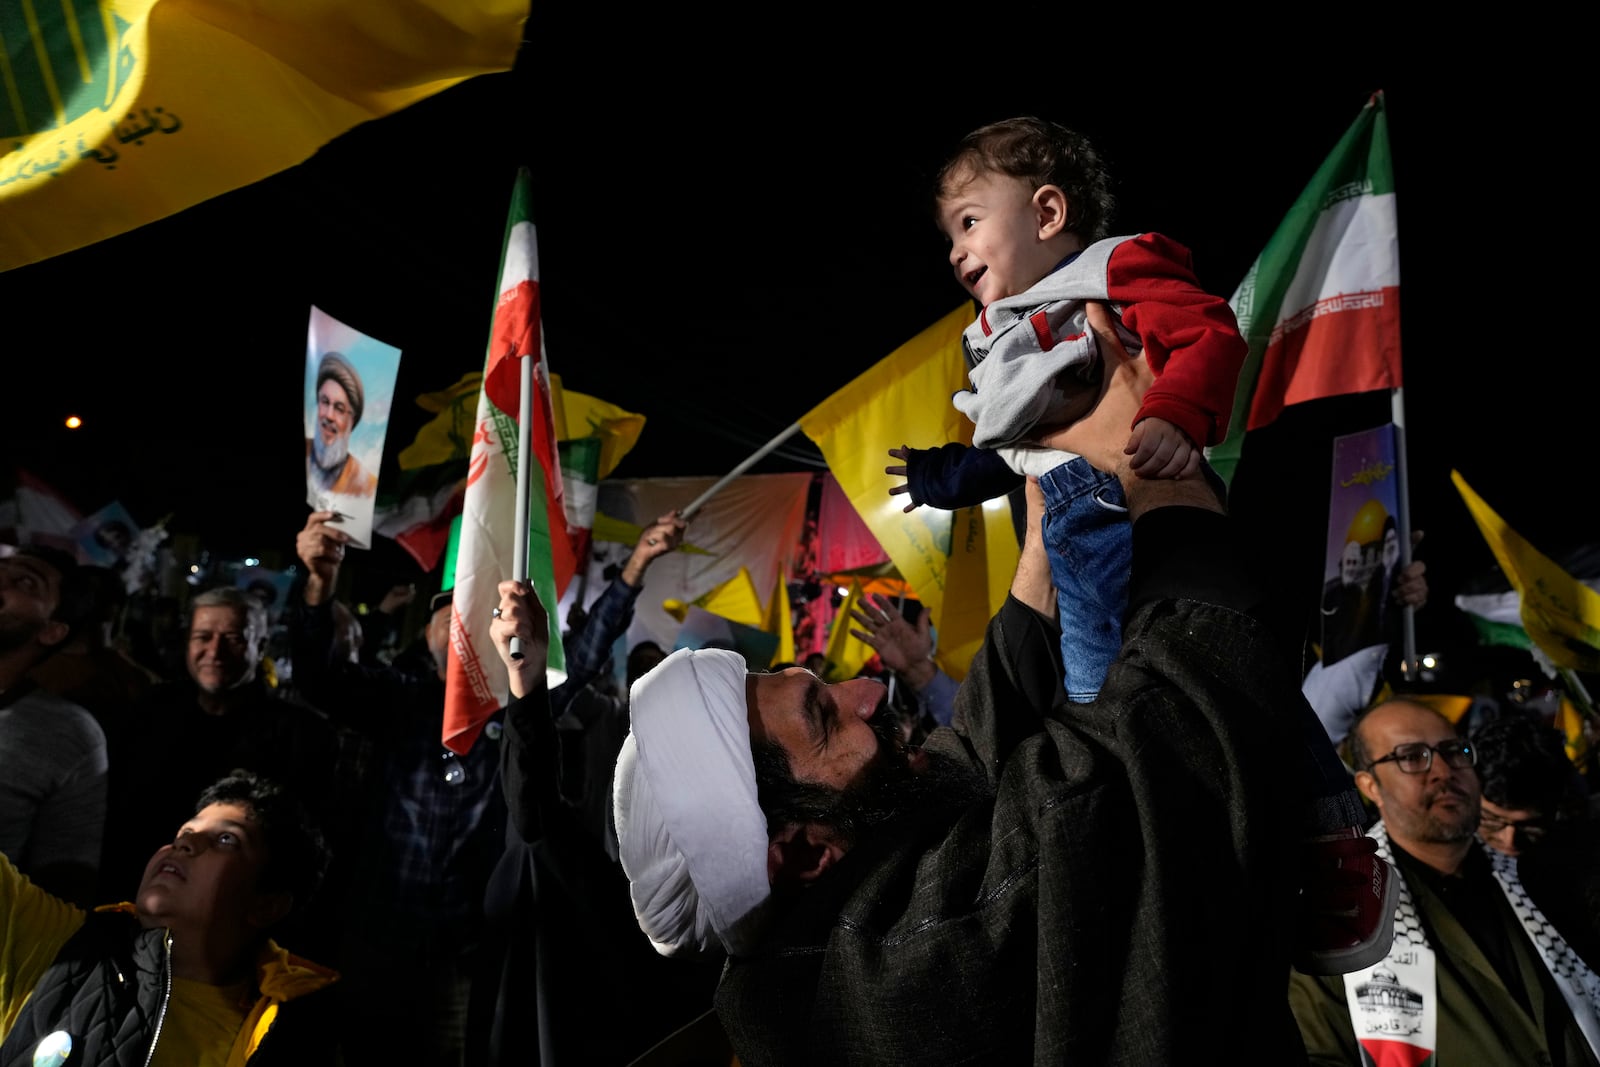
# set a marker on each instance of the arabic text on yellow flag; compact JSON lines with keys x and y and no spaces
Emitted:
{"x":780,"y":619}
{"x":959,"y":564}
{"x":122,"y":112}
{"x":1560,"y":613}
{"x":846,"y":653}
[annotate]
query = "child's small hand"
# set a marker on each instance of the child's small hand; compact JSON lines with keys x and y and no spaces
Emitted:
{"x":1161,"y":450}
{"x":898,"y":470}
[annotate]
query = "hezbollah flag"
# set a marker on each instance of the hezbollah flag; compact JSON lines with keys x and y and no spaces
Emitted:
{"x":1320,"y":307}
{"x":475,"y":680}
{"x":846,"y":653}
{"x":594,"y":436}
{"x":779,"y":619}
{"x":959,"y":563}
{"x":580,"y":416}
{"x":735,"y":600}
{"x":1560,"y":614}
{"x":121,"y":112}
{"x":420,"y":509}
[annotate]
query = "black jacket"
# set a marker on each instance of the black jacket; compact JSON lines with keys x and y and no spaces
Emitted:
{"x":108,"y":988}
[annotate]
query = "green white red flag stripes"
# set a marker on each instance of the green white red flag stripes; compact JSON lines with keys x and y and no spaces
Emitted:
{"x":1320,"y":307}
{"x":475,"y":685}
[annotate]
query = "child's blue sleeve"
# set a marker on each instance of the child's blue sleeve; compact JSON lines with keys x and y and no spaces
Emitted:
{"x":957,"y":476}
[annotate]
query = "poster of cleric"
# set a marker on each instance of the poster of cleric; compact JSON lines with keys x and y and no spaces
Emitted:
{"x":349,"y":389}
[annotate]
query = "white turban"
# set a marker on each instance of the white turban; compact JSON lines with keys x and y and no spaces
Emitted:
{"x":692,"y":838}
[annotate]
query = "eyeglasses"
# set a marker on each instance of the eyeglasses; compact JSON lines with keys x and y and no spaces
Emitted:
{"x":1489,"y":823}
{"x":1416,"y":757}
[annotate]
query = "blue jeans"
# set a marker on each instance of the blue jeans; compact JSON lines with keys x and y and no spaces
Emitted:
{"x":1089,"y":542}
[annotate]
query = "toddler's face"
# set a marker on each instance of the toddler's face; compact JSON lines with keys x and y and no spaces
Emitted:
{"x":993,"y":226}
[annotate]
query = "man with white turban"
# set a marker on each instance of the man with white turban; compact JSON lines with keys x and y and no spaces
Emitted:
{"x":1048,"y":883}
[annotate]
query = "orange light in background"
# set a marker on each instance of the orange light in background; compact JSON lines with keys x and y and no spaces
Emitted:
{"x":73,"y":422}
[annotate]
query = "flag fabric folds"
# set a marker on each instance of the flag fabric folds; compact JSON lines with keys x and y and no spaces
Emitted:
{"x":1320,"y":307}
{"x":735,"y":600}
{"x":780,"y":619}
{"x":580,"y":416}
{"x":1560,"y":614}
{"x":846,"y":653}
{"x":123,"y":112}
{"x":580,"y":491}
{"x":959,"y":564}
{"x":475,"y":685}
{"x":419,"y":508}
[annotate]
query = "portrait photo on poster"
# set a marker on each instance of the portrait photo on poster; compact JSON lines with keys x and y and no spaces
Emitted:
{"x":349,"y":392}
{"x":1363,"y":552}
{"x":105,"y":538}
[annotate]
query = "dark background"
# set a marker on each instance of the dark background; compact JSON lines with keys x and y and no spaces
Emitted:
{"x":730,"y":232}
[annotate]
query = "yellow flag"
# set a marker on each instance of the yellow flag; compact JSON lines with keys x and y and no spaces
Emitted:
{"x":448,"y":435}
{"x":582,"y":415}
{"x":1560,"y":613}
{"x":122,"y":112}
{"x":1574,"y":731}
{"x":846,"y":653}
{"x":959,"y":564}
{"x":780,"y":620}
{"x":735,"y":600}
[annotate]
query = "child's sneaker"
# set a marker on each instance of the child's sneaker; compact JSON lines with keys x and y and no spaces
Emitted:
{"x":1347,"y":901}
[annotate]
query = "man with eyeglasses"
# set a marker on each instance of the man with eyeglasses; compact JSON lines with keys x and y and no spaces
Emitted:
{"x":1538,"y":808}
{"x":1475,"y":974}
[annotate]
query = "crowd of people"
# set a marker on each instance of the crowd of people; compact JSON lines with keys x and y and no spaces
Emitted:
{"x":1124,"y":837}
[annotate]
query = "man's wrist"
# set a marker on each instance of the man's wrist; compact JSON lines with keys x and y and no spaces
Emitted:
{"x":920,"y":672}
{"x":1147,"y":494}
{"x":316,"y":590}
{"x":521,"y":683}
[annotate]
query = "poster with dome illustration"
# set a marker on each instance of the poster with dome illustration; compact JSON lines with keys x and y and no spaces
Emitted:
{"x":1363,"y":556}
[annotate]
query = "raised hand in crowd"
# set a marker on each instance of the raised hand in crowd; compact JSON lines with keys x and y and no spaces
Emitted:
{"x":905,"y":649}
{"x":520,"y":615}
{"x":656,"y":540}
{"x":321,"y":548}
{"x":397,"y":597}
{"x":1410,"y":584}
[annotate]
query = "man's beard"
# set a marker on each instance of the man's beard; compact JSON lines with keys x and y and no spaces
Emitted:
{"x":888,"y":793}
{"x":331,"y":456}
{"x":1424,"y":825}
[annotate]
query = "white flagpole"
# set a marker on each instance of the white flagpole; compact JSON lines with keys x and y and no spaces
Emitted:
{"x":519,"y":536}
{"x":1408,"y":662}
{"x":698,"y":502}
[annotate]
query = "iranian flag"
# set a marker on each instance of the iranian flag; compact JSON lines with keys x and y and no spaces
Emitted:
{"x":1320,"y":307}
{"x":475,"y":685}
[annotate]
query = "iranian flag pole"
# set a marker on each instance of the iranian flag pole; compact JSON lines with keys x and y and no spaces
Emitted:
{"x":519,"y":540}
{"x":1409,"y":669}
{"x":1320,"y":307}
{"x":507,"y":527}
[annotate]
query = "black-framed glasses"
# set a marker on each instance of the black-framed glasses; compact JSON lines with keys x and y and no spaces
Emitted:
{"x":1415,"y":757}
{"x":1490,"y":823}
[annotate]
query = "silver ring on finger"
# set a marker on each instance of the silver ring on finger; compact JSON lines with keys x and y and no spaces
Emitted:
{"x":496,"y":614}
